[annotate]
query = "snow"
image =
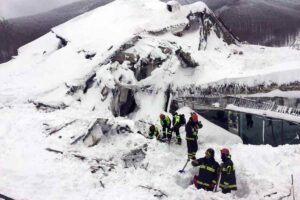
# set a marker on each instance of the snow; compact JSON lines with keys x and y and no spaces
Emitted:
{"x":130,"y":17}
{"x":38,"y":174}
{"x":42,"y":72}
{"x":278,"y":93}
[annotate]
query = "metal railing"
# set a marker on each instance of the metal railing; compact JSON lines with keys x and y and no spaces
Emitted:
{"x":221,"y":102}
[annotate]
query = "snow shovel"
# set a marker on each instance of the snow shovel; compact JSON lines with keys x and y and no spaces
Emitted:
{"x":218,"y":182}
{"x":182,"y":170}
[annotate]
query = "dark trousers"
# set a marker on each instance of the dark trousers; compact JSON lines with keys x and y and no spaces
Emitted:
{"x":225,"y":191}
{"x":192,"y":147}
{"x":206,"y":188}
{"x":166,"y":129}
{"x":176,"y":130}
{"x":201,"y":186}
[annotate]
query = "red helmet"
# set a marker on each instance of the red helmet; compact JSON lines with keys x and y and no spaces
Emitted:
{"x":225,"y":151}
{"x":195,"y":117}
{"x":161,"y":116}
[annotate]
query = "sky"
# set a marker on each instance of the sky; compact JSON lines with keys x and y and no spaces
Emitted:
{"x":18,"y":8}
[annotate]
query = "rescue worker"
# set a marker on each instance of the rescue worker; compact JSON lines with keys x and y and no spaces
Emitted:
{"x":228,"y":180}
{"x":176,"y":127}
{"x":191,"y":129}
{"x":166,"y":125}
{"x":208,"y":171}
{"x":153,"y":131}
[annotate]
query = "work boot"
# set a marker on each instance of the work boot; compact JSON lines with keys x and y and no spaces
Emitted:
{"x":178,"y":141}
{"x":169,"y":140}
{"x":164,"y":138}
{"x":192,"y":158}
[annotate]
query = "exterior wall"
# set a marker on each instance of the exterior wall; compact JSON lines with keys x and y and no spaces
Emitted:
{"x":270,"y":131}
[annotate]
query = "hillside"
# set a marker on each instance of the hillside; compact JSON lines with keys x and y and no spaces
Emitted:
{"x":270,"y":23}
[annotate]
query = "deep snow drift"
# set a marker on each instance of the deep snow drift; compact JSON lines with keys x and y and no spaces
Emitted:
{"x":64,"y":90}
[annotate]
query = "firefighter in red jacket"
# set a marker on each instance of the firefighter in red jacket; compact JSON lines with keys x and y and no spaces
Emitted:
{"x":208,"y":171}
{"x":191,"y":129}
{"x":228,"y":180}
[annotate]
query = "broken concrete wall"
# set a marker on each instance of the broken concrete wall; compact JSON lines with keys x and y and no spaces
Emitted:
{"x":186,"y":59}
{"x":102,"y":127}
{"x":205,"y":23}
{"x":123,"y":102}
{"x":96,"y":132}
{"x":135,"y":157}
{"x":146,"y":66}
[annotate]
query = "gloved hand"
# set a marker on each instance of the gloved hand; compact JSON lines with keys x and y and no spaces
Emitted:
{"x":195,"y":163}
{"x":200,"y":125}
{"x":212,"y":185}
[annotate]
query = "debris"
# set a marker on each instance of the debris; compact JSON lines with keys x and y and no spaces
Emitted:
{"x":63,"y":42}
{"x":145,"y":166}
{"x":5,"y":197}
{"x":77,"y":139}
{"x":53,"y":150}
{"x":186,"y":58}
{"x":99,"y":128}
{"x":158,"y":193}
{"x":102,"y":185}
{"x":135,"y":156}
{"x":56,"y":129}
{"x":48,"y":108}
{"x":89,"y":83}
{"x":268,"y":195}
{"x":96,"y":168}
{"x":103,"y":164}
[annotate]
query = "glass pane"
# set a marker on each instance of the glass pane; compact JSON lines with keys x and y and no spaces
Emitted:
{"x":251,"y":128}
{"x":273,"y":131}
{"x":233,"y":122}
{"x":291,"y":133}
{"x":217,"y":117}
